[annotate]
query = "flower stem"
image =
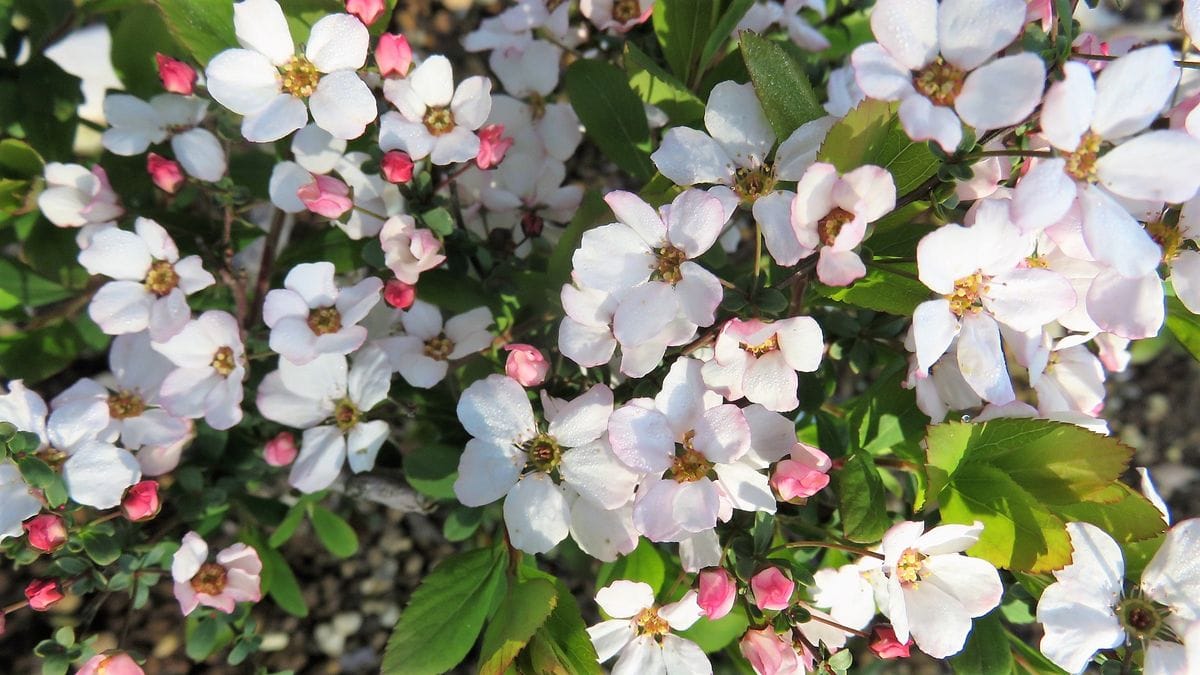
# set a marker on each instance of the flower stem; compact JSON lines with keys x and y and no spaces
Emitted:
{"x":843,"y":627}
{"x":812,"y":543}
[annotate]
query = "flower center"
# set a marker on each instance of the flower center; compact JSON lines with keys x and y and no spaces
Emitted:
{"x":1081,"y":164}
{"x":439,"y":348}
{"x":967,"y":295}
{"x":532,"y":224}
{"x":210,"y":580}
{"x":345,"y":414}
{"x":669,"y":260}
{"x":324,"y":320}
{"x":125,"y":404}
{"x":648,"y":622}
{"x":1141,"y":618}
{"x":910,"y":567}
{"x":1166,"y":236}
{"x":162,"y":278}
{"x":537,"y":106}
{"x":299,"y":77}
{"x":223,"y":361}
{"x":769,"y":345}
{"x":1036,"y":261}
{"x":940,"y":82}
{"x":626,"y":10}
{"x":544,"y":453}
{"x":829,"y":227}
{"x":439,"y":121}
{"x":689,"y":466}
{"x":750,"y":184}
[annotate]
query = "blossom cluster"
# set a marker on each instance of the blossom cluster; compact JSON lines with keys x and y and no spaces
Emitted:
{"x":672,"y":375}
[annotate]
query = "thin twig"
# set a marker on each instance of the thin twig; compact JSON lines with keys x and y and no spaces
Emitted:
{"x":266,"y":265}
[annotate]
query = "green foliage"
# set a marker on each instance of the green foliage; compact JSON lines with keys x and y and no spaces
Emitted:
{"x":561,"y":646}
{"x":713,"y":636}
{"x":891,"y":288}
{"x":138,"y":33}
{"x":786,"y":95}
{"x":446,"y":613}
{"x":1024,"y":479}
{"x":1184,"y":326}
{"x":986,"y":652}
{"x":860,"y":499}
{"x":522,"y":611}
{"x":683,"y":28}
{"x":659,"y":88}
{"x":612,"y":114}
{"x":334,"y":532}
{"x":644,"y":563}
{"x":871,"y":134}
{"x":203,"y":27}
{"x":432,"y":469}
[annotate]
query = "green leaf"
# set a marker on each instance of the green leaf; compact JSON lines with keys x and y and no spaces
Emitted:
{"x":139,"y":33}
{"x":287,"y":526}
{"x":683,"y":28}
{"x":871,"y":134}
{"x":644,"y":563}
{"x":734,"y":12}
{"x":522,"y":612}
{"x":1184,"y":325}
{"x":202,"y":637}
{"x":22,"y":287}
{"x":1029,"y":661}
{"x":18,"y":160}
{"x":562,"y":646}
{"x":101,"y":547}
{"x":713,"y":636}
{"x":445,"y":614}
{"x":893,"y":289}
{"x":886,"y":415}
{"x":1120,"y":511}
{"x":335,"y":533}
{"x":661,"y":89}
{"x":431,"y":469}
{"x":783,"y":89}
{"x":461,"y":523}
{"x":986,"y":652}
{"x":860,"y":498}
{"x":439,"y":220}
{"x":203,"y":27}
{"x":612,"y":114}
{"x":279,"y":582}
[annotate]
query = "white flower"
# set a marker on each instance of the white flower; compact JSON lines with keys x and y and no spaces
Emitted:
{"x":312,"y":315}
{"x":538,"y":470}
{"x":422,"y":355}
{"x":616,"y":15}
{"x":268,"y":81}
{"x":524,"y":195}
{"x":849,"y":599}
{"x":435,"y":119}
{"x":135,"y":124}
{"x":76,"y":197}
{"x":1088,"y":609}
{"x":210,"y":365}
{"x":686,"y":433}
{"x":936,"y":59}
{"x":17,"y":503}
{"x":150,"y":281}
{"x":759,"y":360}
{"x":932,"y":590}
{"x":329,"y":403}
{"x":320,"y":153}
{"x":409,"y":250}
{"x":134,"y":415}
{"x":640,"y":632}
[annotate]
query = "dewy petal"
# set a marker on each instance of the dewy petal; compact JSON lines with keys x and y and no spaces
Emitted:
{"x":200,"y":154}
{"x":1076,"y":624}
{"x":924,"y":121}
{"x":583,"y":419}
{"x":603,"y":534}
{"x":397,"y":133}
{"x":1068,"y":107}
{"x":433,"y":81}
{"x":971,"y":31}
{"x":1131,"y":91}
{"x":644,"y":311}
{"x":242,"y":80}
{"x":695,"y":505}
{"x":938,"y":623}
{"x":641,"y":439}
{"x":868,"y":190}
{"x":260,"y":25}
{"x":1159,"y":166}
{"x":536,"y":514}
{"x":497,"y":409}
{"x":770,"y":382}
{"x":639,"y":216}
{"x":1185,"y":278}
{"x":1029,"y":298}
{"x":594,"y":471}
{"x":934,"y":328}
{"x":487,"y":471}
{"x":746,"y":488}
{"x":472,"y":102}
{"x":623,"y":599}
{"x":286,"y":179}
{"x":643,"y":654}
{"x":772,"y":212}
{"x":1043,"y":196}
{"x":798,"y":151}
{"x":338,"y":42}
{"x":1173,"y":574}
{"x":118,"y":254}
{"x":694,"y":221}
{"x":281,"y":116}
{"x":688,"y":157}
{"x":342,"y":104}
{"x":698,"y":294}
{"x":722,"y":434}
{"x":879,"y":75}
{"x":610,"y":637}
{"x":460,"y":145}
{"x":981,"y":358}
{"x":322,"y":452}
{"x":1002,"y":93}
{"x":735,"y":119}
{"x":97,"y":474}
{"x":316,"y":150}
{"x":363,"y":443}
{"x":1114,"y":237}
{"x":973,"y":582}
{"x":612,"y":258}
{"x":908,"y":30}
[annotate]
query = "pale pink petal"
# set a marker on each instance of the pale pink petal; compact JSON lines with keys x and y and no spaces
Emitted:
{"x":1002,"y":93}
{"x":879,"y":75}
{"x":634,"y":212}
{"x":1068,"y":107}
{"x":981,"y":358}
{"x":1132,"y":91}
{"x":924,"y":121}
{"x":908,"y":29}
{"x":1042,"y":196}
{"x":772,"y":212}
{"x":1131,"y":307}
{"x":1134,"y":169}
{"x":971,"y":31}
{"x":688,"y":156}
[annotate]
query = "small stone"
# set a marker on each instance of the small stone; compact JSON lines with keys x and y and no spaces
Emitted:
{"x":347,"y":623}
{"x":329,"y":641}
{"x":273,"y":642}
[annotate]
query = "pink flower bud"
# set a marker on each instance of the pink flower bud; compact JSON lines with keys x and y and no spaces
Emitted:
{"x":115,"y":663}
{"x":326,"y":196}
{"x":367,"y":11}
{"x":141,"y":501}
{"x":793,"y":480}
{"x":772,"y":590}
{"x":717,"y":592}
{"x":393,"y":55}
{"x":281,"y":450}
{"x":46,"y":532}
{"x":397,"y":166}
{"x":42,"y":593}
{"x":166,"y":173}
{"x":769,"y":653}
{"x":886,"y":646}
{"x":526,"y":364}
{"x":399,"y":294}
{"x":177,"y":77}
{"x":492,"y":146}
